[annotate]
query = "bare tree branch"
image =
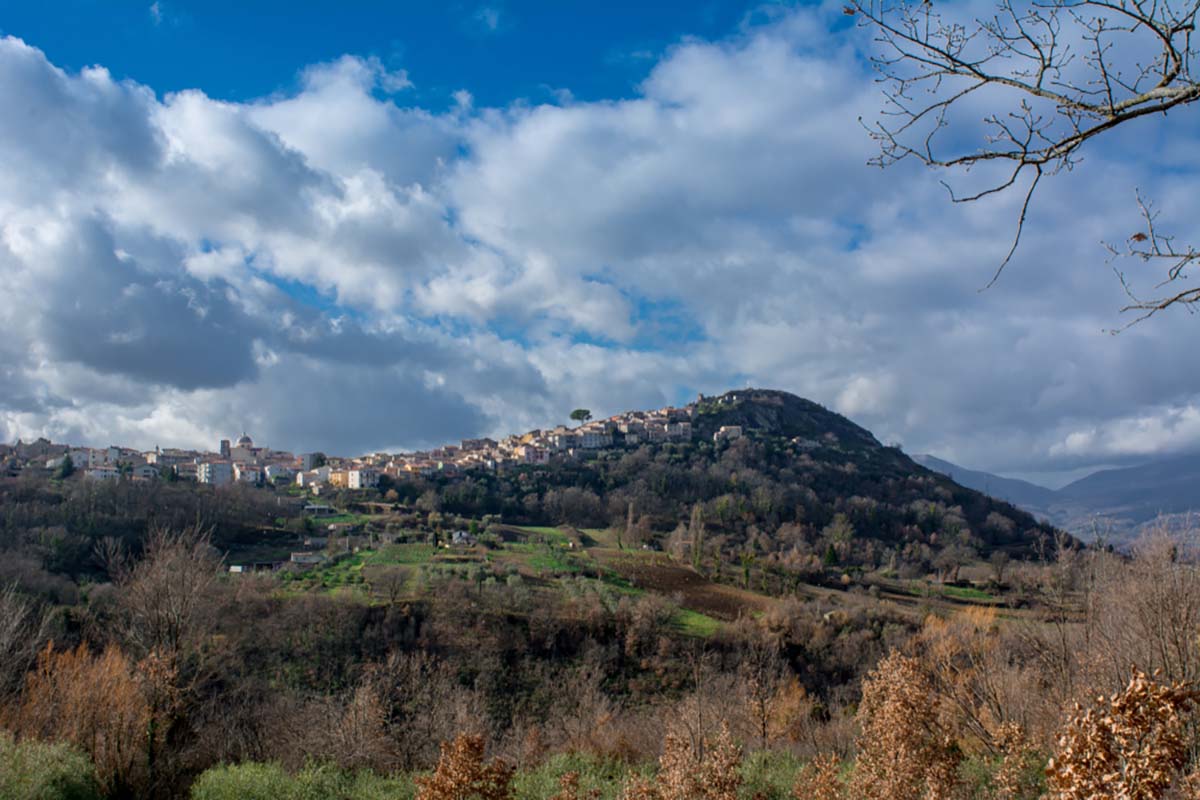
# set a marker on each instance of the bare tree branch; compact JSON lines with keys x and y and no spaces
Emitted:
{"x":1149,"y":246}
{"x":1052,"y":74}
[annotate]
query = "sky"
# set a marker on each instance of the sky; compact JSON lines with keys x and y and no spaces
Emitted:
{"x":402,"y":224}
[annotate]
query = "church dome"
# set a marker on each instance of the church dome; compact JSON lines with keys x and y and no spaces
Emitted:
{"x":245,"y":441}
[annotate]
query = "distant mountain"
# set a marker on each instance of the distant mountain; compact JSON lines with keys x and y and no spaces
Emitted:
{"x":1114,"y":503}
{"x":1018,"y":492}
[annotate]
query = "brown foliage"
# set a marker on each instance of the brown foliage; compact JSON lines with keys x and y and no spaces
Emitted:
{"x":820,"y":780}
{"x":763,"y":683}
{"x":422,"y":705}
{"x":1016,"y":777}
{"x":1146,"y":611}
{"x":1130,"y":746}
{"x":462,"y":774}
{"x":903,"y":753}
{"x":568,"y":789}
{"x":685,"y":774}
{"x":971,"y":666}
{"x":100,"y":704}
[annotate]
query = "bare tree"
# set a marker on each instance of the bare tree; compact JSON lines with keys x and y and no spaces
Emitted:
{"x":23,"y":630}
{"x":999,"y":561}
{"x":1052,"y":75}
{"x":390,"y":583}
{"x":163,"y":596}
{"x":762,"y":676}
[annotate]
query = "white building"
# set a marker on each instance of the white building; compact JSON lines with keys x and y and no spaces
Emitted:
{"x":273,"y":471}
{"x":313,"y":477}
{"x":679,"y":430}
{"x":145,"y":472}
{"x":728,"y":433}
{"x":103,"y":473}
{"x":244,"y":450}
{"x":592,"y":440}
{"x":563,"y":441}
{"x":245,"y":473}
{"x":217,"y":473}
{"x":528,"y":454}
{"x":79,"y":459}
{"x":362,"y":479}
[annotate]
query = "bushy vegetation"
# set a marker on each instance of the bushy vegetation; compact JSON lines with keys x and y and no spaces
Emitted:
{"x":253,"y":781}
{"x":36,"y":770}
{"x":175,"y":680}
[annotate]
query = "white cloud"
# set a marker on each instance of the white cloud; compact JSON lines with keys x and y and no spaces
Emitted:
{"x":1164,"y":430}
{"x":178,"y":262}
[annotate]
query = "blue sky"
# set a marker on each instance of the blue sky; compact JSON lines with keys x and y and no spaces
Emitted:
{"x":401,"y":225}
{"x":500,"y":52}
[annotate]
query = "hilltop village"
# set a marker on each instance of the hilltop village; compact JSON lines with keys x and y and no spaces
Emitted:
{"x":244,"y":462}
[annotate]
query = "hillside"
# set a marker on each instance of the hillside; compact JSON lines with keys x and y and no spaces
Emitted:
{"x":1114,"y":503}
{"x":802,"y":484}
{"x":1018,"y":492}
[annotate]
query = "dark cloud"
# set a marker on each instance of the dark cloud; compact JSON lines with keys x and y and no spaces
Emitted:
{"x":341,"y":408}
{"x":115,"y":317}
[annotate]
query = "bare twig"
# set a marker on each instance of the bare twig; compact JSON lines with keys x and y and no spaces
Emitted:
{"x":1055,"y":74}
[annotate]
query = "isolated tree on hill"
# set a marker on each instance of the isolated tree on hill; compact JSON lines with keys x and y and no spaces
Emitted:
{"x":999,"y":563}
{"x":581,"y":415}
{"x":66,"y":467}
{"x":840,"y":533}
{"x":1049,"y":76}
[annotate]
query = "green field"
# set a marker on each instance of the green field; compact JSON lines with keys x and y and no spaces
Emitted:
{"x":693,"y":623}
{"x":341,"y":519}
{"x":556,"y":535}
{"x":400,"y":554}
{"x":967,"y":593}
{"x":552,"y":561}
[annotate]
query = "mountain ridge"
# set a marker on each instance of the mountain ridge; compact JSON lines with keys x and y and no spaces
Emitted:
{"x":1115,"y":503}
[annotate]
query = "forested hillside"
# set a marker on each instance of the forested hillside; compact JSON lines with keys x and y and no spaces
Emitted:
{"x":800,"y":482}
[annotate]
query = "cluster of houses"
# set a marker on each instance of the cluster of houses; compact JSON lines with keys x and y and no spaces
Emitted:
{"x":542,"y":446}
{"x":243,"y":462}
{"x":239,"y":462}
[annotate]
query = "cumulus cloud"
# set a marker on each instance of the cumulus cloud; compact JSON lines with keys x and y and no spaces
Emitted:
{"x":335,"y":267}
